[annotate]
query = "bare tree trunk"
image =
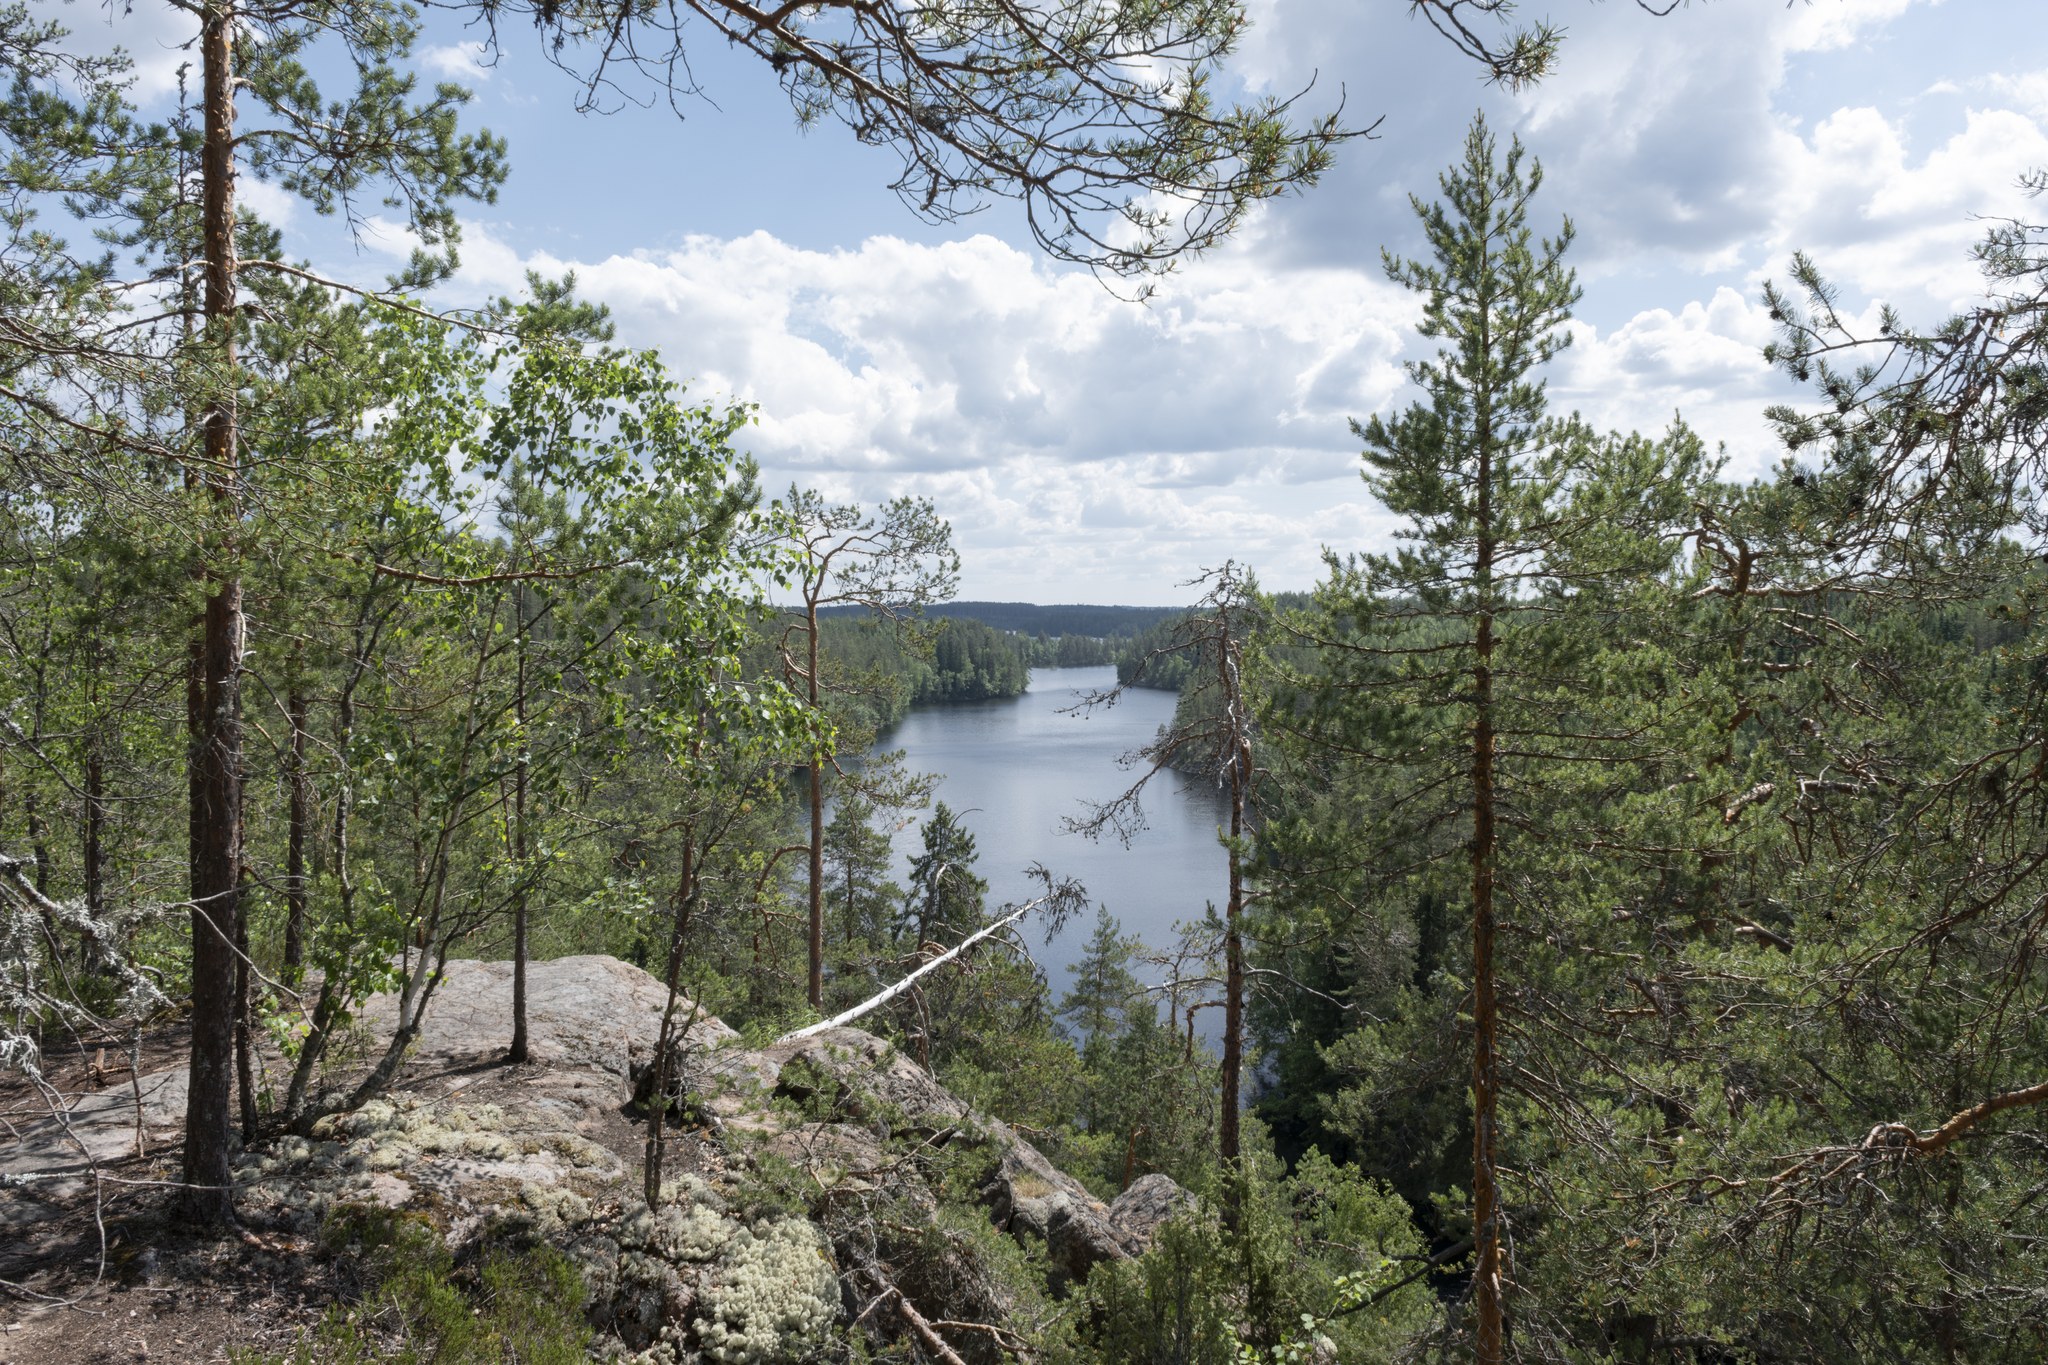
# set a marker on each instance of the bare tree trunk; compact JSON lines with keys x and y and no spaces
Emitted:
{"x":39,"y":847}
{"x":679,"y":931}
{"x":908,"y":985}
{"x":1487,"y":1271}
{"x":517,"y":1052}
{"x":817,"y":903}
{"x":327,"y":1007}
{"x":1230,"y":1084}
{"x":95,"y":836}
{"x":299,"y":822}
{"x":245,"y":1069}
{"x":31,"y":805}
{"x":217,"y":817}
{"x":195,"y":729}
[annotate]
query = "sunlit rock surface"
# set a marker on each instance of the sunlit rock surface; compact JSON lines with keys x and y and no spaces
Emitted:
{"x":807,"y":1179}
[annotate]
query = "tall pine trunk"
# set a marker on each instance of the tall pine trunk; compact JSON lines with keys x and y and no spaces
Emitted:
{"x":216,"y":784}
{"x":38,"y":832}
{"x":245,"y":1067}
{"x":1227,"y":1134}
{"x":94,"y":839}
{"x":95,"y":835}
{"x":1486,"y":1238}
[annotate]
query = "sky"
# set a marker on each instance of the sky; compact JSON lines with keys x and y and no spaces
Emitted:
{"x":1090,"y":449}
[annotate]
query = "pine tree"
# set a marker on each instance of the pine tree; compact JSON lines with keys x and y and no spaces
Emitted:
{"x":1106,"y":990}
{"x":1456,"y":664}
{"x":1212,"y":731}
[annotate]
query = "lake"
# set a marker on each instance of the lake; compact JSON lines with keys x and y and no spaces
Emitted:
{"x":1015,"y":769}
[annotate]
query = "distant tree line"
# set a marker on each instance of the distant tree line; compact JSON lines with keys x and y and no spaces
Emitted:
{"x":964,"y":651}
{"x":1028,"y":618}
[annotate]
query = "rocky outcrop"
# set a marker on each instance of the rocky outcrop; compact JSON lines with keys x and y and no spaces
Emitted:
{"x":1029,"y":1197}
{"x":814,"y":1179}
{"x":1145,"y":1203}
{"x":884,"y":1096}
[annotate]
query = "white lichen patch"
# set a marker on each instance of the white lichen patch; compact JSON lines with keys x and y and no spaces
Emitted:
{"x":554,"y":1211}
{"x":579,"y":1151}
{"x":700,"y":1233}
{"x":450,"y":1151}
{"x":772,"y":1297}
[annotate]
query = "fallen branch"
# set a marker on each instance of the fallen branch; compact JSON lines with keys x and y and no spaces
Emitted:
{"x":1751,"y":929}
{"x":883,"y":997}
{"x":919,"y":1327}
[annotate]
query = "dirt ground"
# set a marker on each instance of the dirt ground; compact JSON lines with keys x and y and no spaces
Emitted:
{"x":159,"y":1294}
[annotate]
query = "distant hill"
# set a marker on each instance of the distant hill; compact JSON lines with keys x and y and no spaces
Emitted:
{"x":1031,"y":619}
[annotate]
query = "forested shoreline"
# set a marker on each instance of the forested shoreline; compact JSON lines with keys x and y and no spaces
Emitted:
{"x":1629,"y":898}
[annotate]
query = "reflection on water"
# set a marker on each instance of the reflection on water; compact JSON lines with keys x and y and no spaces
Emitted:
{"x":1015,"y":769}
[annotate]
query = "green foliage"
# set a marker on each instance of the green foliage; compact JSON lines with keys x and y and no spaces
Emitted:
{"x":417,"y":1305}
{"x":1146,"y":1098}
{"x":1767,"y":762}
{"x":945,"y":901}
{"x":1312,"y":1268}
{"x":973,"y":662}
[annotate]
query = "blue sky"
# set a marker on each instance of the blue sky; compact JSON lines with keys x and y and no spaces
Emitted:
{"x":1090,"y":449}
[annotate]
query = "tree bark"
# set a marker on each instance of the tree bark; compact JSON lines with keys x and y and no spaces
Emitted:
{"x":518,"y":1051}
{"x":817,"y":797}
{"x":1231,"y":1082}
{"x":1490,"y":1344}
{"x":300,"y":821}
{"x":245,"y":1067}
{"x":39,"y":847}
{"x":216,"y":785}
{"x":95,"y":835}
{"x":672,"y":976}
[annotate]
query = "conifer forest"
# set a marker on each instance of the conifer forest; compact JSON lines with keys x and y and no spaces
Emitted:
{"x":1625,"y":929}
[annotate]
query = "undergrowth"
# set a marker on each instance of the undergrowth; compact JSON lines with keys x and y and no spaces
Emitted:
{"x":413,"y":1303}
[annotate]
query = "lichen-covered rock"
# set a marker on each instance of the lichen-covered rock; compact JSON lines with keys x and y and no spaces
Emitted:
{"x":1146,"y":1203}
{"x":689,"y":1282}
{"x":681,"y":1233}
{"x":881,"y":1156}
{"x":869,"y":1081}
{"x":644,"y":1273}
{"x":1030,"y":1197}
{"x":477,"y":1160}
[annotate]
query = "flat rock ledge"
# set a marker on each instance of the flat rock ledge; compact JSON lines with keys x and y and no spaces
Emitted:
{"x":812,"y":1188}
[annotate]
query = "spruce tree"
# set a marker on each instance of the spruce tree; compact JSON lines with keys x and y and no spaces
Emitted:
{"x":946,"y":899}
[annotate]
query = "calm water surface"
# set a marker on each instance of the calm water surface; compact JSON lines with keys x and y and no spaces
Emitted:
{"x":1015,"y":769}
